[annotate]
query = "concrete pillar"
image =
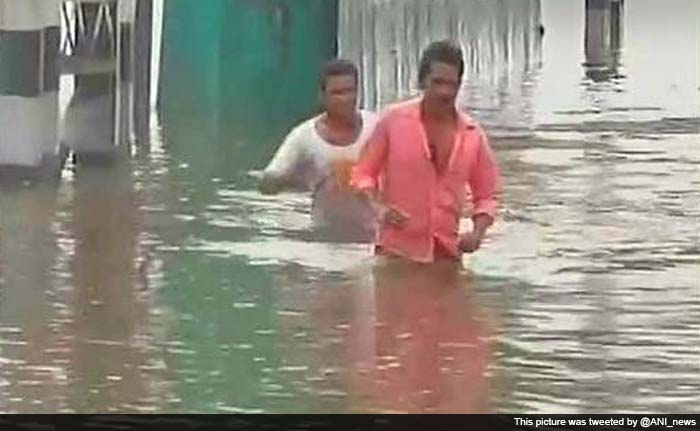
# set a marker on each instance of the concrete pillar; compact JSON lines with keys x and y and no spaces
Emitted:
{"x":616,"y":31}
{"x":603,"y":38}
{"x":126,"y":60}
{"x":29,"y":43}
{"x":143,"y":39}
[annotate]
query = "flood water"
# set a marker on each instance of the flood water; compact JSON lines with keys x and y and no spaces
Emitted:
{"x":166,"y":283}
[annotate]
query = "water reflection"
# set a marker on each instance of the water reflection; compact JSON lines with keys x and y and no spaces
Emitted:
{"x":110,"y":317}
{"x":630,"y":78}
{"x":33,"y":346}
{"x":76,"y":329}
{"x":421,"y":344}
{"x":385,"y":337}
{"x":166,"y":283}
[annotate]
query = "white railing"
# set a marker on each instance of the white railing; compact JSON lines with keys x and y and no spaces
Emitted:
{"x":82,"y":49}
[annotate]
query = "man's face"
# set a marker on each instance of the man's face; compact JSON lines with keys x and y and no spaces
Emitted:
{"x":340,"y":95}
{"x":441,"y":84}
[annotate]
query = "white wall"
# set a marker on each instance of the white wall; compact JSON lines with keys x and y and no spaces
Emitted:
{"x":28,"y":123}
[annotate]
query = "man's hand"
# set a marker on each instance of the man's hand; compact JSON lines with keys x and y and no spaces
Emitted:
{"x":388,"y":215}
{"x":271,"y":184}
{"x":469,"y":242}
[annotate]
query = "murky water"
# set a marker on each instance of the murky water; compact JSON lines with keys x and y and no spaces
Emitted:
{"x":167,"y":284}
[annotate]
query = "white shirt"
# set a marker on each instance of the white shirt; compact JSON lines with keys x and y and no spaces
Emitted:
{"x":305,"y":160}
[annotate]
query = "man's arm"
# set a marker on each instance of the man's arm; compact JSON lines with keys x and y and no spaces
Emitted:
{"x":279,"y":173}
{"x":485,"y":183}
{"x":365,"y":175}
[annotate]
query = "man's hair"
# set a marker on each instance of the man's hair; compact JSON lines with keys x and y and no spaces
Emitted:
{"x":338,"y":67}
{"x":443,"y":51}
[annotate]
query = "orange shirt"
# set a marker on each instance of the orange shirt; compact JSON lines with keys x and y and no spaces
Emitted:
{"x":396,"y":162}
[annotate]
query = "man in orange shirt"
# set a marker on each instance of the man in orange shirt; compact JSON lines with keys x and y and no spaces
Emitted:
{"x":424,"y":159}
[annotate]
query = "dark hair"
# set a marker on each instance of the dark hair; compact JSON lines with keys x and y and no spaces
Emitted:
{"x":338,"y":67}
{"x":443,"y":51}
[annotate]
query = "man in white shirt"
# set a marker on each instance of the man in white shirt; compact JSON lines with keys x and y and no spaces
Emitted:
{"x":318,"y":154}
